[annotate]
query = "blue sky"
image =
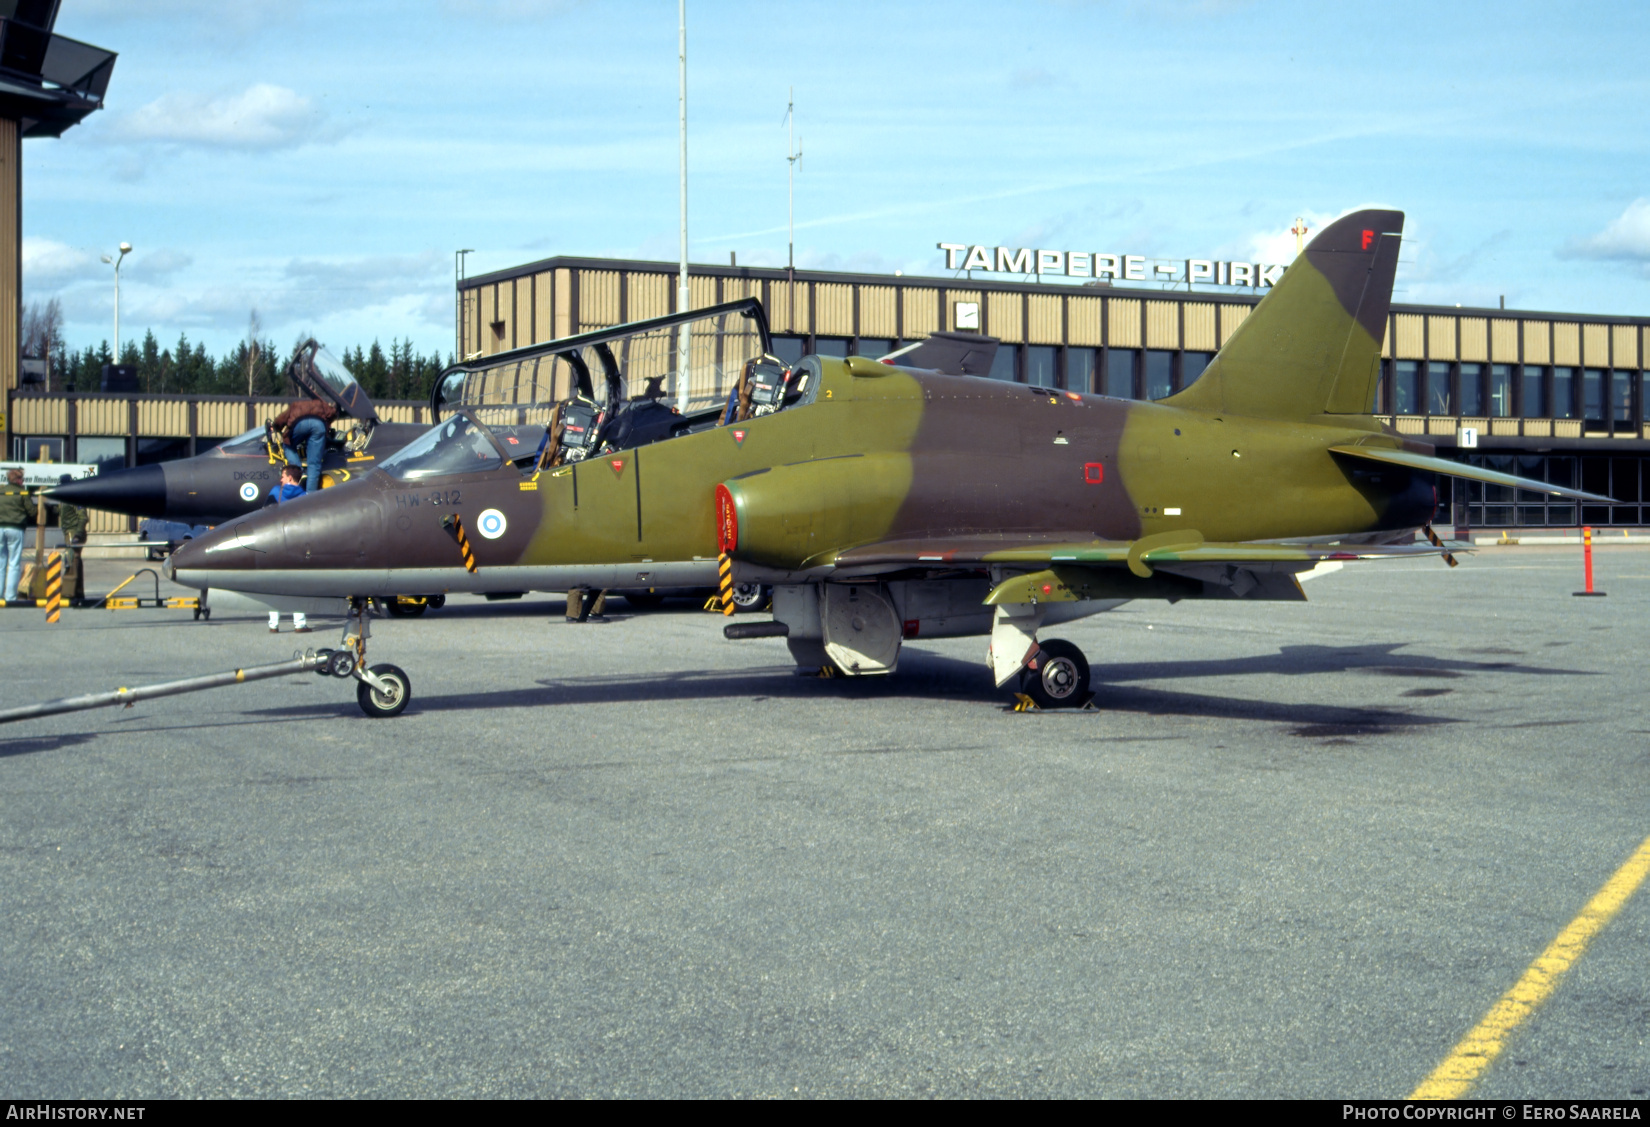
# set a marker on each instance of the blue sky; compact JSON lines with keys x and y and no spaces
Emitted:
{"x":321,"y":162}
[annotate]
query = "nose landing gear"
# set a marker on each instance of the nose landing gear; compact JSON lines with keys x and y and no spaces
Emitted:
{"x":385,"y":689}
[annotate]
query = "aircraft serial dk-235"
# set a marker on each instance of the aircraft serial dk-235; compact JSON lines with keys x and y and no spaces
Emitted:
{"x":235,"y":477}
{"x":884,"y":504}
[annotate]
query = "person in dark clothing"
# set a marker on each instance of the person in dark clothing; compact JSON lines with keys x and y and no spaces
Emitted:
{"x":17,"y":509}
{"x":306,"y":422}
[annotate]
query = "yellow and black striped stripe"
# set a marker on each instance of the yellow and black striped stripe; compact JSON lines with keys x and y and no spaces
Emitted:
{"x":54,"y":586}
{"x":464,"y":544}
{"x":724,"y":574}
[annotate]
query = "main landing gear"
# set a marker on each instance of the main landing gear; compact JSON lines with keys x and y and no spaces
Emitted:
{"x":384,"y":689}
{"x":1057,"y":676}
{"x":1053,"y":673}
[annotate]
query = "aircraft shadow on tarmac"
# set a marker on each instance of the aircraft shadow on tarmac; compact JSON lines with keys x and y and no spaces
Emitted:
{"x":31,"y":745}
{"x":934,"y":676}
{"x":1294,"y":661}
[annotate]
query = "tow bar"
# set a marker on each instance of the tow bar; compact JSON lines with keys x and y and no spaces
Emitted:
{"x":382,"y":691}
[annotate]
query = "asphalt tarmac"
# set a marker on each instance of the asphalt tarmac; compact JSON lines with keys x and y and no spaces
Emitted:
{"x":1299,"y":851}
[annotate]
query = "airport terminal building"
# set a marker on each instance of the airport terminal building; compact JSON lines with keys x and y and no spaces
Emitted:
{"x":1560,"y":397}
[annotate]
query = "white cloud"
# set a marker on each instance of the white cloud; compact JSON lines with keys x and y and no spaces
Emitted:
{"x":48,"y":263}
{"x":1625,"y":237}
{"x":159,"y":264}
{"x":262,"y":116}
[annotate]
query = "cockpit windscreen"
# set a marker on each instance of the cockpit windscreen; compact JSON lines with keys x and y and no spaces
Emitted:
{"x":458,"y":445}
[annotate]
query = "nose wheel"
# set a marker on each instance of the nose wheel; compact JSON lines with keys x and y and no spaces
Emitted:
{"x":383,"y":690}
{"x":1058,"y":677}
{"x":389,"y":697}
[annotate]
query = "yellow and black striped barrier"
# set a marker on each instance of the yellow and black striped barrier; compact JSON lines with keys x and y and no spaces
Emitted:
{"x":724,"y":574}
{"x":54,"y":586}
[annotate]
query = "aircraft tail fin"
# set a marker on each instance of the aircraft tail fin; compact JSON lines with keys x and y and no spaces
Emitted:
{"x":1313,"y":345}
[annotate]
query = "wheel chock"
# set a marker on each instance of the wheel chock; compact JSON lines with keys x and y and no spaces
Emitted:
{"x":1088,"y":705}
{"x":1023,"y":703}
{"x":714,"y":604}
{"x":826,"y":671}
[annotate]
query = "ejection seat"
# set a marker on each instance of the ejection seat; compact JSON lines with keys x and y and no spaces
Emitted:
{"x":760,"y":390}
{"x":574,"y":432}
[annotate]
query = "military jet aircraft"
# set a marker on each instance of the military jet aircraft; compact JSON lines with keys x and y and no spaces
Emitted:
{"x":886,"y":504}
{"x":235,"y":477}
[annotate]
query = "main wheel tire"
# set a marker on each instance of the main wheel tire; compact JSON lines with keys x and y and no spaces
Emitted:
{"x":644,"y":600}
{"x":407,"y":609}
{"x":436,"y":602}
{"x":382,"y":706}
{"x":1061,"y":676}
{"x":749,"y":597}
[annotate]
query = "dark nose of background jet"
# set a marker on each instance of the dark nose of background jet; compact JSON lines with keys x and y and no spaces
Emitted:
{"x":140,"y":490}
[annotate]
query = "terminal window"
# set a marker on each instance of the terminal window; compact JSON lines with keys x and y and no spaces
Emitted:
{"x":1120,"y":373}
{"x":104,"y":453}
{"x":1080,"y":369}
{"x":1002,"y":364}
{"x":1040,"y":365}
{"x":1535,"y":392}
{"x":1438,"y":396}
{"x":1406,"y":387}
{"x":1564,"y":393}
{"x":1192,"y":365}
{"x":1159,"y":374}
{"x":1472,"y":389}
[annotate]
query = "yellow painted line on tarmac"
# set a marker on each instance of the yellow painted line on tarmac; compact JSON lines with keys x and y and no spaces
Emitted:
{"x":1479,"y":1048}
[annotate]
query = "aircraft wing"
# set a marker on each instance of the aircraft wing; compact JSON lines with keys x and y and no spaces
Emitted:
{"x":1458,"y":469}
{"x":1138,"y":555}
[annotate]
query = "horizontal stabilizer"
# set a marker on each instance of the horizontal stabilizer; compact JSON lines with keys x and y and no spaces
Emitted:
{"x":1458,"y":469}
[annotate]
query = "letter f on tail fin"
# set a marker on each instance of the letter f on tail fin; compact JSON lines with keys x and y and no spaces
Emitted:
{"x":1313,"y":345}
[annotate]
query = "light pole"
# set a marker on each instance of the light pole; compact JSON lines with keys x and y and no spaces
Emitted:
{"x":125,"y":249}
{"x":458,"y":301}
{"x":684,"y":347}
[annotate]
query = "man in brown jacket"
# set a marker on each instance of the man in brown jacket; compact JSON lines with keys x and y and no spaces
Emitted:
{"x":305,"y":421}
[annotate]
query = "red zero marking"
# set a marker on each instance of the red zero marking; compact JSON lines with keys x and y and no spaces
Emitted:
{"x":912,"y":625}
{"x":1047,"y":590}
{"x":1369,"y":237}
{"x":727,"y":521}
{"x":1094,"y":473}
{"x":513,"y":442}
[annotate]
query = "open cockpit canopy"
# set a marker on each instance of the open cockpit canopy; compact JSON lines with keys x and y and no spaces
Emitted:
{"x":643,"y":360}
{"x":318,"y":374}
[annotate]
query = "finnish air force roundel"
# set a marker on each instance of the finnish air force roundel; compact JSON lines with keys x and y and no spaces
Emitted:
{"x":491,"y":524}
{"x":249,"y":492}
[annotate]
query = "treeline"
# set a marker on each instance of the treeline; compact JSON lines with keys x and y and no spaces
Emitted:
{"x":254,"y":367}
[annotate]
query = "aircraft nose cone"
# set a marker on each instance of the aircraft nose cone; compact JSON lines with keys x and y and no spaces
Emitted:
{"x":140,"y":491}
{"x":244,"y":545}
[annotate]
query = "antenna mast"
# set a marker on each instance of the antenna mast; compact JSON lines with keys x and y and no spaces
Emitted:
{"x":793,"y":153}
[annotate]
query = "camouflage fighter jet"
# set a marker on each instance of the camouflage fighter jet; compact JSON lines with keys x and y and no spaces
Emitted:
{"x":235,"y":477}
{"x":886,"y":504}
